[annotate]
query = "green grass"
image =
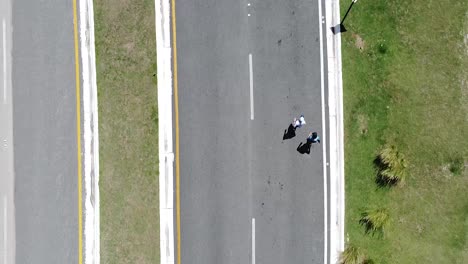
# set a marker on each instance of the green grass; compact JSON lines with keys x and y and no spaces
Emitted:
{"x":405,"y":83}
{"x":126,"y":64}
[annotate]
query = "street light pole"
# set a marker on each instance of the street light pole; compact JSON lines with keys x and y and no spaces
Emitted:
{"x":340,"y":27}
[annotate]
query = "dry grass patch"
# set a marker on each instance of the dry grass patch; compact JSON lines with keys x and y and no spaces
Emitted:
{"x":360,"y":44}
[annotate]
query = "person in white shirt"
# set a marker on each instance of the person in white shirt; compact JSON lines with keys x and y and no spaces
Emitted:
{"x":299,"y":122}
{"x":302,"y":120}
{"x":296,"y":123}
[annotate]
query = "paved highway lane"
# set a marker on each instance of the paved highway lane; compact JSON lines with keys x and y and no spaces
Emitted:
{"x":45,"y":132}
{"x":244,"y":71}
{"x":288,"y":187}
{"x":216,"y":202}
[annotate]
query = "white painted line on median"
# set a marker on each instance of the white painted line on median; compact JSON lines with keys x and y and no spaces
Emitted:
{"x":324,"y":145}
{"x":251,"y":88}
{"x":4,"y":62}
{"x":253,"y":240}
{"x":5,"y":226}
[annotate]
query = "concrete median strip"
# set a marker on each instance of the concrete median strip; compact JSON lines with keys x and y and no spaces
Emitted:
{"x":166,"y":154}
{"x":90,"y":134}
{"x":335,"y":104}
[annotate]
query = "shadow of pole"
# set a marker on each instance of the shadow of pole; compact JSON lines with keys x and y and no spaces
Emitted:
{"x":340,"y":28}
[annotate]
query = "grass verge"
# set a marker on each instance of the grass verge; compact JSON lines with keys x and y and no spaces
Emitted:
{"x":405,"y":83}
{"x":126,"y":67}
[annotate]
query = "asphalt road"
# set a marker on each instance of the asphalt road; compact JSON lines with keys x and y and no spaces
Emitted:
{"x":44,"y":132}
{"x":234,"y":169}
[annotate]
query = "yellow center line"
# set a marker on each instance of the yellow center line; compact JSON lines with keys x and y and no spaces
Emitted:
{"x":176,"y":112}
{"x":78,"y":133}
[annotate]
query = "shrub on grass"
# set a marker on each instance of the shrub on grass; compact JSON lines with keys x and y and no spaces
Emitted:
{"x":382,"y":48}
{"x":375,"y":221}
{"x":456,"y":166}
{"x":391,"y":166}
{"x":353,"y":255}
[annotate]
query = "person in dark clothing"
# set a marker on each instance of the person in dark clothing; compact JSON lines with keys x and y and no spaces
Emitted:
{"x":313,"y":138}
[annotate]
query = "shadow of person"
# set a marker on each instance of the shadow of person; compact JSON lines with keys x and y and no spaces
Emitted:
{"x":289,"y":133}
{"x":304,"y":148}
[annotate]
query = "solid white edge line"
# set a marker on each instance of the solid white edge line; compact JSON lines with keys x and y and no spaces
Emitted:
{"x":324,"y":135}
{"x":4,"y":62}
{"x":251,"y":87}
{"x":5,"y":230}
{"x":253,"y":240}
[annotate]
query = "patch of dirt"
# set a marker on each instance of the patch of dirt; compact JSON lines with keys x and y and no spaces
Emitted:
{"x":363,"y":124}
{"x":464,"y":96}
{"x":463,"y":79}
{"x":129,"y":47}
{"x":465,"y":33}
{"x":465,"y":40}
{"x":359,"y":42}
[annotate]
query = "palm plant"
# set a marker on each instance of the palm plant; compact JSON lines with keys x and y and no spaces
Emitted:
{"x":375,"y":221}
{"x":352,"y":255}
{"x":392,"y":165}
